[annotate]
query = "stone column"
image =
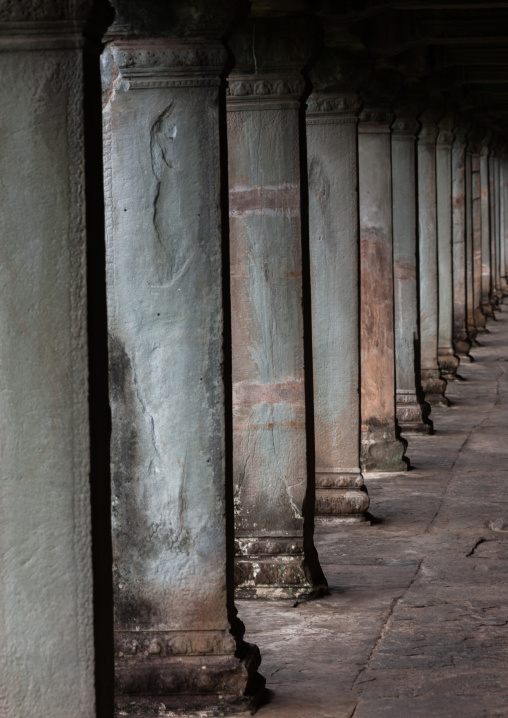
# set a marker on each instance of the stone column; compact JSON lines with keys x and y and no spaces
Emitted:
{"x":461,"y":340}
{"x":447,"y":360}
{"x":412,"y":410}
{"x":472,"y":330}
{"x":275,"y":557}
{"x":433,"y":384}
{"x":382,"y":449}
{"x":173,"y":642}
{"x":503,"y":225}
{"x":486,"y":286}
{"x":476,"y":204}
{"x":334,"y":258}
{"x":494,"y":226}
{"x":497,"y":239}
{"x":46,"y":621}
{"x":504,"y":185}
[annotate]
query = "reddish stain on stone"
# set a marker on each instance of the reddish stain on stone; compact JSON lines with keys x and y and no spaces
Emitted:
{"x":402,"y":271}
{"x":248,"y":393}
{"x":458,"y":202}
{"x":285,"y":198}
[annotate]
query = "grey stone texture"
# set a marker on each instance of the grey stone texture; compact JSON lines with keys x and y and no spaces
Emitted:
{"x":46,"y":634}
{"x":275,"y":557}
{"x":415,"y":624}
{"x":412,"y":411}
{"x":334,"y":257}
{"x":173,"y":614}
{"x":476,"y":211}
{"x":447,"y":360}
{"x":487,"y":302}
{"x":381,"y":449}
{"x":461,"y":243}
{"x":433,"y":384}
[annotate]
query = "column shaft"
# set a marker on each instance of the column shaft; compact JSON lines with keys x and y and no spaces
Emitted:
{"x":447,"y":360}
{"x":382,"y":449}
{"x":472,"y":330}
{"x":269,"y":412}
{"x":46,"y":622}
{"x":461,"y":341}
{"x":163,"y":238}
{"x":486,"y":285}
{"x":503,"y":229}
{"x":412,"y":410}
{"x":334,"y":255}
{"x":476,"y":202}
{"x":432,"y":383}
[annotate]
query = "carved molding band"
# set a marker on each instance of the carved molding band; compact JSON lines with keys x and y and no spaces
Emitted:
{"x":445,"y":138}
{"x":43,"y":11}
{"x":169,"y":63}
{"x":376,"y":117}
{"x":255,"y":88}
{"x":347,"y":104}
{"x":428,"y":135}
{"x":405,"y":127}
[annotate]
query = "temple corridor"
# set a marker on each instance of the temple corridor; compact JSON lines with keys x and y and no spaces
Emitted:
{"x":416,"y":623}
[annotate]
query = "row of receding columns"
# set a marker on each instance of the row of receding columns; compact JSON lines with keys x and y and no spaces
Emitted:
{"x":362,"y":247}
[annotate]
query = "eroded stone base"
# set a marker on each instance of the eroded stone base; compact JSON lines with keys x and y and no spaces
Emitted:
{"x":462,"y":347}
{"x":341,"y":496}
{"x":448,"y":363}
{"x":155,"y":684}
{"x":381,"y":450}
{"x":412,"y":414}
{"x":479,"y":319}
{"x":434,"y":387}
{"x":272,"y":567}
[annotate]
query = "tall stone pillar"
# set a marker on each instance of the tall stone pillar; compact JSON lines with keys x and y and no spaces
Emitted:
{"x":486,"y":287}
{"x":472,"y":330}
{"x":497,"y":238}
{"x":494,"y":226}
{"x":433,"y":384}
{"x":332,"y":151}
{"x":461,"y":339}
{"x":46,"y":622}
{"x":412,"y":410}
{"x":173,"y":612}
{"x":275,"y":555}
{"x":382,"y":449}
{"x":447,"y":360}
{"x":504,"y":191}
{"x":503,"y":226}
{"x":476,"y":205}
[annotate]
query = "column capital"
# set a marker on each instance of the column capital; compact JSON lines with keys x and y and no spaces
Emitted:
{"x":375,"y":120}
{"x":42,"y":24}
{"x":446,"y":136}
{"x":341,"y":107}
{"x":404,"y":127}
{"x":166,"y":62}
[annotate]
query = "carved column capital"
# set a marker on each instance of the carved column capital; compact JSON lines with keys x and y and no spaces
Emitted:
{"x":428,"y":134}
{"x":375,"y":120}
{"x":166,"y":62}
{"x":405,"y":127}
{"x":265,"y":88}
{"x":42,"y":24}
{"x":334,"y":107}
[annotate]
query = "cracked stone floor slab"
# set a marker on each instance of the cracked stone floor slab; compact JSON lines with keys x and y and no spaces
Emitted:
{"x":417,"y":620}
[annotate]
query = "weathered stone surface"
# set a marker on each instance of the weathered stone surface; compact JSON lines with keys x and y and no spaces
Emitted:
{"x":332,"y":154}
{"x":164,"y":243}
{"x":46,"y":633}
{"x":411,"y":409}
{"x":433,"y":384}
{"x":270,"y":468}
{"x":460,"y":247}
{"x":486,"y":287}
{"x":416,"y":621}
{"x":447,"y":360}
{"x":476,"y":211}
{"x":381,"y":447}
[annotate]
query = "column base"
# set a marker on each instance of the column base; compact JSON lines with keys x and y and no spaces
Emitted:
{"x":480,"y":320}
{"x":381,"y":450}
{"x":272,"y":567}
{"x":434,"y":387}
{"x":412,"y":414}
{"x":448,"y":362}
{"x":341,"y":497}
{"x":472,"y":333}
{"x":487,"y":309}
{"x":151,"y":684}
{"x":462,"y":347}
{"x":504,"y":287}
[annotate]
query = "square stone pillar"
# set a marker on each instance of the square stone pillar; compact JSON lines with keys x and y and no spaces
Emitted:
{"x":487,"y":302}
{"x":46,"y":624}
{"x":382,"y":448}
{"x":447,"y":360}
{"x":433,"y":384}
{"x":174,"y":647}
{"x":275,"y":556}
{"x":494,"y":227}
{"x":412,"y":409}
{"x":503,"y":229}
{"x":472,"y":330}
{"x":476,"y":204}
{"x":461,"y":220}
{"x":332,"y":151}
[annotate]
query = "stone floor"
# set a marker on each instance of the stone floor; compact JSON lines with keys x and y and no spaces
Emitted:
{"x":417,"y":620}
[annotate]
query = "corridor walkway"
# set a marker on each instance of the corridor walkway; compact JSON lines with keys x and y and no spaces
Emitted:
{"x":417,"y":620}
